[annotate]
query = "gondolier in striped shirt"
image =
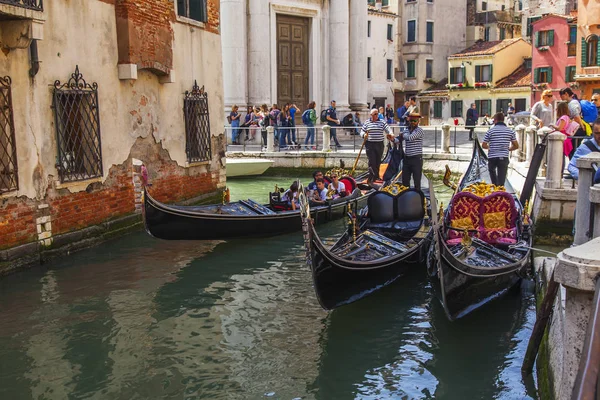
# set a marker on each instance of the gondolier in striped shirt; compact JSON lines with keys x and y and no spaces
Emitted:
{"x":500,"y":139}
{"x":373,"y":131}
{"x":412,"y":165}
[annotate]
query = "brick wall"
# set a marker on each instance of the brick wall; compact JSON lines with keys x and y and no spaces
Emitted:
{"x":144,"y":33}
{"x":471,"y":11}
{"x":17,"y":222}
{"x":214,"y":8}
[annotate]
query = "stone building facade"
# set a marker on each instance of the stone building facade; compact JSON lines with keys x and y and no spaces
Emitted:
{"x":92,"y":86}
{"x":382,"y":60}
{"x":295,"y":51}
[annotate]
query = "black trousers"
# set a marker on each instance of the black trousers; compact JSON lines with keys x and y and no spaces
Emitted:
{"x":498,"y":168}
{"x":374,"y":152}
{"x":412,"y":166}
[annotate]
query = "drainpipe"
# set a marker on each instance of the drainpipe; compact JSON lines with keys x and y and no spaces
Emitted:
{"x":35,"y":61}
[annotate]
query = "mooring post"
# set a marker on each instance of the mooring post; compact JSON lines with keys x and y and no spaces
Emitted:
{"x":270,"y":138}
{"x":530,"y":145}
{"x":519,"y":155}
{"x":554,"y":172}
{"x":584,"y":183}
{"x":541,"y":134}
{"x":577,"y":270}
{"x":326,"y":138}
{"x":446,"y":138}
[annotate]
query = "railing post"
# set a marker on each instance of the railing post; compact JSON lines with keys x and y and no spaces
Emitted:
{"x":595,"y":199}
{"x":584,"y":183}
{"x":576,"y":270}
{"x":519,"y":155}
{"x":270,"y":138}
{"x":554,"y":171}
{"x":530,"y":142}
{"x":540,"y":134}
{"x":446,"y":138}
{"x":326,"y":138}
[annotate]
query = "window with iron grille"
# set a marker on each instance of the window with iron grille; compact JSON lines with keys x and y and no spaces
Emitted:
{"x":77,"y":119}
{"x":192,"y":9}
{"x":8,"y":153}
{"x":456,"y":108}
{"x":36,"y":5}
{"x":197,"y":125}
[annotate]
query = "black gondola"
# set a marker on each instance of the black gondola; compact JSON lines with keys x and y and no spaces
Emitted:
{"x":391,"y":237}
{"x":238,"y":219}
{"x":482,"y":246}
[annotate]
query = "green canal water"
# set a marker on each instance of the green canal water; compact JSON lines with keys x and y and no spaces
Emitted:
{"x":141,"y":318}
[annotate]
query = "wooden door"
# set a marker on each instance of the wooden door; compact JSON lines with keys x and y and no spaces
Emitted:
{"x":424,"y":109}
{"x":292,"y":61}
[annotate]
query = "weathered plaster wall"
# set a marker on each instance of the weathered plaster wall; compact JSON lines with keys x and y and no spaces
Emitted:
{"x":140,"y":118}
{"x":380,"y":49}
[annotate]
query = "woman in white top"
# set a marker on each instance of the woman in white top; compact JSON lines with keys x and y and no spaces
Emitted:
{"x":339,"y":189}
{"x":542,"y":111}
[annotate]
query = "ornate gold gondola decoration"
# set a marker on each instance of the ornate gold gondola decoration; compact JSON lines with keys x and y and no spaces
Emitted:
{"x":441,"y":212}
{"x":447,"y":180}
{"x":483,"y":189}
{"x":394,"y":189}
{"x":226,"y":196}
{"x":526,"y":217}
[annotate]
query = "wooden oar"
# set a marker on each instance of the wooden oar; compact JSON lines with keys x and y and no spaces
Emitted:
{"x":358,"y":157}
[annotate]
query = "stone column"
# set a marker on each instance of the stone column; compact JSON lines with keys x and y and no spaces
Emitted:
{"x":595,"y":198}
{"x":326,"y":138}
{"x":554,"y":173}
{"x":233,"y":43}
{"x":339,"y":55}
{"x":270,"y":138}
{"x":577,"y":270}
{"x":446,"y":138}
{"x":530,"y":147}
{"x":358,"y":55}
{"x":520,"y":133}
{"x":259,"y":53}
{"x":584,"y":183}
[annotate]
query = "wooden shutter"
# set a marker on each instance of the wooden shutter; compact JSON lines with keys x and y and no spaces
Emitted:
{"x":478,"y":106}
{"x":598,"y":53}
{"x":478,"y":73}
{"x":537,"y":39}
{"x":491,"y":73}
{"x":549,"y":69}
{"x":536,"y":75}
{"x":583,"y":53}
{"x":551,"y":38}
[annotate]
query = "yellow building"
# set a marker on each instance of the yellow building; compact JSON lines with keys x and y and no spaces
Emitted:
{"x":492,"y":75}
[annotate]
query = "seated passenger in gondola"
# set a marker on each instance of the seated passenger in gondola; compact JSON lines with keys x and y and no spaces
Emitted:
{"x":313,"y":185}
{"x":337,"y":189}
{"x":319,"y":195}
{"x":291,"y":196}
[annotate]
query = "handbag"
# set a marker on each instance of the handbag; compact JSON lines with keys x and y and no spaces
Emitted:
{"x":229,"y":119}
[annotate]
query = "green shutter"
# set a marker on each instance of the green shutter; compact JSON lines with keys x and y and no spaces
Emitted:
{"x":478,"y":106}
{"x":551,"y":38}
{"x":583,"y":53}
{"x":491,"y":73}
{"x":478,"y":73}
{"x":549,"y":69}
{"x":537,"y":39}
{"x":536,"y":75}
{"x":598,"y":53}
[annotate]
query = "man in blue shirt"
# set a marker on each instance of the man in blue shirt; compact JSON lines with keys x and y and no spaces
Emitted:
{"x":588,"y":146}
{"x":400,"y":113}
{"x":333,"y":122}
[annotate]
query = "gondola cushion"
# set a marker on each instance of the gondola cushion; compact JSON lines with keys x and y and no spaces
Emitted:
{"x":464,"y":205}
{"x":403,"y":212}
{"x":499,"y":236}
{"x":493,"y":207}
{"x":381,"y":207}
{"x":349,"y":183}
{"x":410,"y":205}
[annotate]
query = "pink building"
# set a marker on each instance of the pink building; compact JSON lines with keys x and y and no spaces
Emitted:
{"x":553,"y":60}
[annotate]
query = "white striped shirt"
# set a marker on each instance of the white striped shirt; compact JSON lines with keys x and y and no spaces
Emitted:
{"x":499,"y":138}
{"x":375,"y":130}
{"x":413,"y":142}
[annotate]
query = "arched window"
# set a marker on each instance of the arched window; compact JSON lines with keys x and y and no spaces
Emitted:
{"x":592,"y":51}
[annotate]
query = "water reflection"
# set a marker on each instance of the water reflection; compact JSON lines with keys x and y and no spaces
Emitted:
{"x":142,"y":318}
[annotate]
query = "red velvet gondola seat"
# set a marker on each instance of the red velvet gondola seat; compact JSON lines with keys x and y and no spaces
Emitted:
{"x":498,"y":219}
{"x":464,"y":214}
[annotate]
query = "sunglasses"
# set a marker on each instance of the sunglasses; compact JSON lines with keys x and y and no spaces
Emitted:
{"x":594,"y":100}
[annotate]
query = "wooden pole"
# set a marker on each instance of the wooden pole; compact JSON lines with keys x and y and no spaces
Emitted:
{"x":358,"y":157}
{"x":540,"y":327}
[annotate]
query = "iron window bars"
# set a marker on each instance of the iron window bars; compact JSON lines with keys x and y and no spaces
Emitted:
{"x":76,"y":114}
{"x":8,"y":152}
{"x":197,"y":124}
{"x":37,"y":5}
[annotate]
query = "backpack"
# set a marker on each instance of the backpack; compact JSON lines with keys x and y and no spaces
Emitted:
{"x":306,"y":117}
{"x":324,"y":115}
{"x":589,"y":112}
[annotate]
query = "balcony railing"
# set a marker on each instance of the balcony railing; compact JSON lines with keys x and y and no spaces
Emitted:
{"x":37,"y":5}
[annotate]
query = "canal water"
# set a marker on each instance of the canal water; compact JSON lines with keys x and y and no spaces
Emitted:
{"x":141,"y":318}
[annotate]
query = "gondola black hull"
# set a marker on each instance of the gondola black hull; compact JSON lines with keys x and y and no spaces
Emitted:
{"x":462,"y":289}
{"x":176,"y":223}
{"x":338,"y":283}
